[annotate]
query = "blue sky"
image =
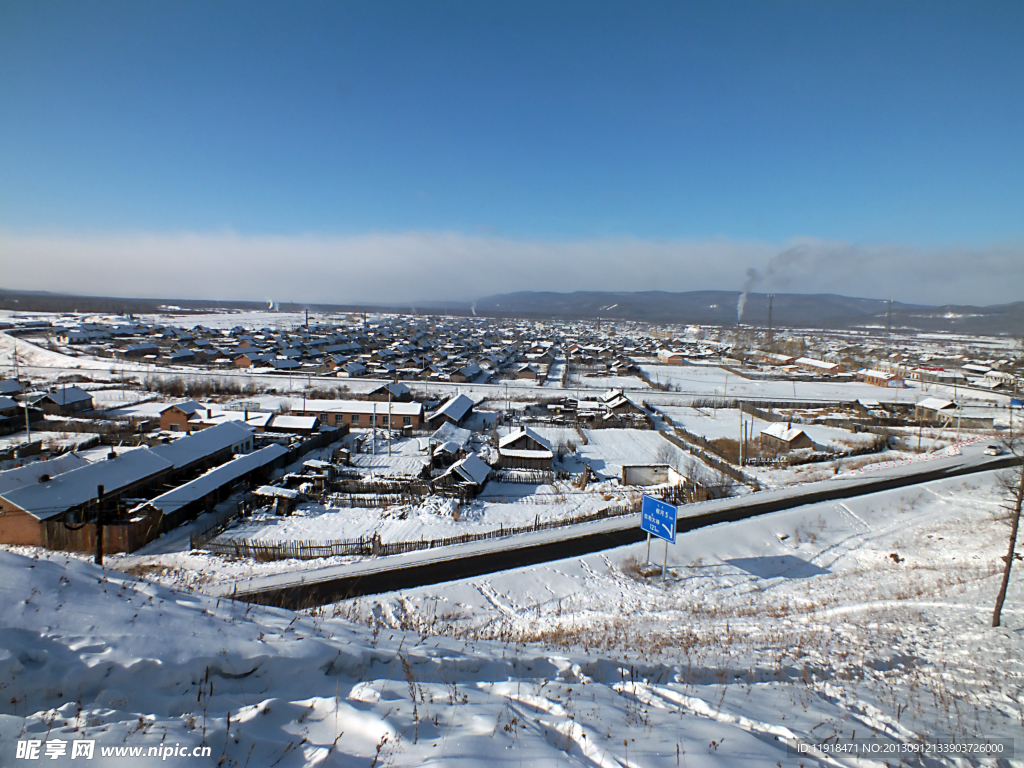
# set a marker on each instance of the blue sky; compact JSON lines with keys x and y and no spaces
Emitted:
{"x":376,"y":146}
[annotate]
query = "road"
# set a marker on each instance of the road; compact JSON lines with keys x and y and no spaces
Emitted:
{"x":333,"y":583}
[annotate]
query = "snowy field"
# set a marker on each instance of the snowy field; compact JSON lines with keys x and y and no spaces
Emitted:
{"x":502,"y":504}
{"x":725,"y":422}
{"x":755,"y":643}
{"x":607,"y":382}
{"x":607,"y":450}
{"x":711,"y":381}
{"x":870,"y":614}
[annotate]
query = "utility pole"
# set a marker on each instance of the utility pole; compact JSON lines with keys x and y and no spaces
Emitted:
{"x":28,"y":425}
{"x":771,"y":338}
{"x":389,"y":420}
{"x":888,"y":325}
{"x":99,"y":525}
{"x":741,"y":435}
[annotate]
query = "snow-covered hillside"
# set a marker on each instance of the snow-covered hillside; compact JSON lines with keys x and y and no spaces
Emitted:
{"x":755,"y":641}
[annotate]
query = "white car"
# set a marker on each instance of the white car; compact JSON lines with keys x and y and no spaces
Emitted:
{"x":993,"y":450}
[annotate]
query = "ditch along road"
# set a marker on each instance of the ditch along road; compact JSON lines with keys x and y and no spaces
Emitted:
{"x":331,"y":584}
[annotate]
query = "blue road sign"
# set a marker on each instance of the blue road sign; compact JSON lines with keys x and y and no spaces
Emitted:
{"x":1015,"y":401}
{"x":658,"y":518}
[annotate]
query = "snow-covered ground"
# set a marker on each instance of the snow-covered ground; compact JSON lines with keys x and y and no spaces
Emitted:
{"x":503,"y":505}
{"x":712,"y":381}
{"x":607,"y":450}
{"x":606,"y":382}
{"x":755,"y":642}
{"x":725,"y":422}
{"x":876,"y":608}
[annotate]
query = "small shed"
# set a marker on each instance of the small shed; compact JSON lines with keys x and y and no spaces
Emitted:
{"x":283,"y":499}
{"x":470,"y":473}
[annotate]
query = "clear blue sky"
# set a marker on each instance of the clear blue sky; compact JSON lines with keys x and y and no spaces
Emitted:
{"x":874,"y":124}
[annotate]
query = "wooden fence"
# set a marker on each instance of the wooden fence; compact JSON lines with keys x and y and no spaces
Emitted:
{"x":265,"y":551}
{"x":405,"y":487}
{"x":526,"y":476}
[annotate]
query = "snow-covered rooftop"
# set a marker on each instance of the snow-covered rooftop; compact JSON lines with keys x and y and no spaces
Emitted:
{"x":79,"y":486}
{"x":30,"y":473}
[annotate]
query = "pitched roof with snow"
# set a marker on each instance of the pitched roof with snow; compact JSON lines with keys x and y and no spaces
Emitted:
{"x":30,"y":473}
{"x":521,"y":432}
{"x":937,"y":404}
{"x":188,"y":407}
{"x":68,"y":395}
{"x":783,"y":432}
{"x":449,"y":433}
{"x":206,"y":442}
{"x":79,"y":486}
{"x":472,"y":469}
{"x":456,"y":408}
{"x":216,"y":478}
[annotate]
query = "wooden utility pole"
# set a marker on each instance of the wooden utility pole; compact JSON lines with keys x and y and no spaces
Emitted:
{"x":99,"y":525}
{"x":1008,"y":560}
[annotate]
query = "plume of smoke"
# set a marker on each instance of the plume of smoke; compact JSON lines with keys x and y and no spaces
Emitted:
{"x":753,"y":278}
{"x":804,"y":256}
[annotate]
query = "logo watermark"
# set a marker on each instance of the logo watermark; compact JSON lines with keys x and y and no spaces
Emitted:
{"x":85,"y":749}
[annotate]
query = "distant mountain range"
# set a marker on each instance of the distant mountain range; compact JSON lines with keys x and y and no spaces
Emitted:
{"x":788,"y":310}
{"x":791,"y":310}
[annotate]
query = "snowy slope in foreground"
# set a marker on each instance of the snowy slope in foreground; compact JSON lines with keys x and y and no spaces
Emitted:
{"x":93,"y":654}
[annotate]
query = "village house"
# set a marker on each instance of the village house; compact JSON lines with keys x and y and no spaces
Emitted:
{"x":785,"y":437}
{"x":179,"y":417}
{"x":818,"y":366}
{"x":935,"y":410}
{"x":880,"y":379}
{"x":455,"y":411}
{"x":26,"y":511}
{"x":525,"y":449}
{"x":362,"y":413}
{"x":66,"y":401}
{"x":671,"y":357}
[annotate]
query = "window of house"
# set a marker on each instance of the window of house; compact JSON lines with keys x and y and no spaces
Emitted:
{"x":407,"y":420}
{"x":355,"y":418}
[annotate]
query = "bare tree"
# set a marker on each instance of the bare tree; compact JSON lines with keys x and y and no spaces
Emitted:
{"x":1013,"y":484}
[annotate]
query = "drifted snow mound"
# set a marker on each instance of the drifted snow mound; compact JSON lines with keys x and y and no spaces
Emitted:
{"x":94,"y":654}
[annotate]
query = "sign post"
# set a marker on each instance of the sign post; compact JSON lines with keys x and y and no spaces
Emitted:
{"x":658,"y":518}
